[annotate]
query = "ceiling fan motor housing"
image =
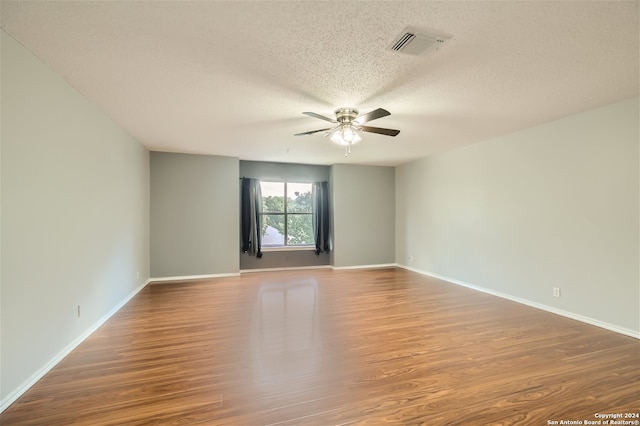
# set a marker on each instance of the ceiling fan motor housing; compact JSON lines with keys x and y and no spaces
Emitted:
{"x":346,"y":115}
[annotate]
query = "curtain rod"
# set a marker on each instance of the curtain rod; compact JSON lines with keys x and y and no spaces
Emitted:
{"x":287,"y":181}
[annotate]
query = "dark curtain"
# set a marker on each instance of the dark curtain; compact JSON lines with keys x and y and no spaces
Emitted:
{"x":321,"y":216}
{"x":251,"y":220}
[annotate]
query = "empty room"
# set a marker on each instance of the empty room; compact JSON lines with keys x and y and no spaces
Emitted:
{"x":319,"y":212}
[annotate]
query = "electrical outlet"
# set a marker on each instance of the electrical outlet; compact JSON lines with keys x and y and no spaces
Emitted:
{"x":556,"y":291}
{"x":78,"y":311}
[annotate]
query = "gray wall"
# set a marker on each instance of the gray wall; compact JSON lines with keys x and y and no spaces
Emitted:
{"x":194,"y":215}
{"x":363,"y":200}
{"x":281,"y":172}
{"x":552,"y":206}
{"x":303,"y":173}
{"x":75,"y":217}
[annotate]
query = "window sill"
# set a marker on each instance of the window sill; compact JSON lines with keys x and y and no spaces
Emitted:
{"x":288,"y":248}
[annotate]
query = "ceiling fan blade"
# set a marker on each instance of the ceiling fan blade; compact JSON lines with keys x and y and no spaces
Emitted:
{"x":388,"y":132}
{"x":312,"y":132}
{"x":321,"y":117}
{"x":373,"y":115}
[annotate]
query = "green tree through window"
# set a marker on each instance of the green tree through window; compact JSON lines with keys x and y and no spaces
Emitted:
{"x":287,"y":214}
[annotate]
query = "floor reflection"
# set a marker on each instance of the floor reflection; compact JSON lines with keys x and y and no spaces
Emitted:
{"x":285,"y":339}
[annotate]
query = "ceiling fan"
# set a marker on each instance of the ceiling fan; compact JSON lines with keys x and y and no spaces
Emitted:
{"x":348,"y":122}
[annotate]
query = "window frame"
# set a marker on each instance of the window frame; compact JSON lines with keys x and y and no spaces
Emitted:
{"x":285,"y":214}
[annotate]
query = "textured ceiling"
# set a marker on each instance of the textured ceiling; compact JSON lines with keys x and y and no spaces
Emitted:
{"x":232,"y":78}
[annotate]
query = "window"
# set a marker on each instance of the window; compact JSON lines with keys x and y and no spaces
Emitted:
{"x":286,"y":214}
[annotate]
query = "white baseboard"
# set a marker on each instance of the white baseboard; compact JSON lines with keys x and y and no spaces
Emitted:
{"x":17,"y":393}
{"x":165,"y":280}
{"x":551,"y":309}
{"x":375,"y":266}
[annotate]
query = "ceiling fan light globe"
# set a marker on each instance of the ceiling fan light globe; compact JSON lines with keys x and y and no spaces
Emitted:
{"x":348,"y":134}
{"x":336,"y":137}
{"x":345,"y":135}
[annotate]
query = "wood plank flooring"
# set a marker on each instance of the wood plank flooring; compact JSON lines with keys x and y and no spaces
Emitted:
{"x":322,"y":347}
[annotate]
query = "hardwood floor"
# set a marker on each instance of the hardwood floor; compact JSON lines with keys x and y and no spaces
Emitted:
{"x":324,"y":347}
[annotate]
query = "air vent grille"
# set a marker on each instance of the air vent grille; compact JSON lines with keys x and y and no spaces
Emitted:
{"x":413,"y":43}
{"x":402,"y":41}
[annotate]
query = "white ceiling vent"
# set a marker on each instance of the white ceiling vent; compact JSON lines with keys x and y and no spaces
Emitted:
{"x":412,"y":42}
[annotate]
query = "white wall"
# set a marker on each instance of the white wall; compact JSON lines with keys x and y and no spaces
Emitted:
{"x":552,"y":206}
{"x":195,"y":215}
{"x":75,"y":209}
{"x":363,"y":215}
